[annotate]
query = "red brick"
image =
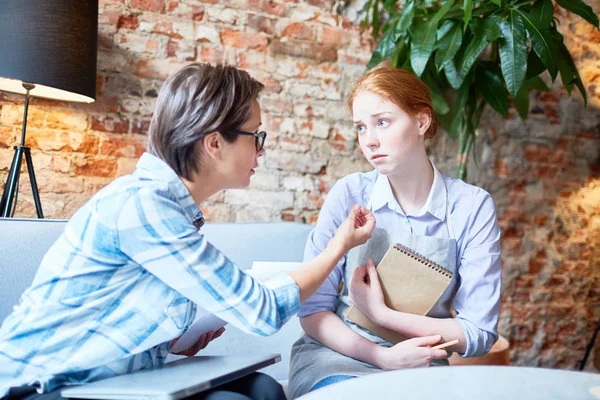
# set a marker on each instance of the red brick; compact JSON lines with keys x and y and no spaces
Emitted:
{"x":273,"y":7}
{"x":294,"y":48}
{"x":45,"y":139}
{"x":243,"y":40}
{"x":333,"y":36}
{"x":322,"y":4}
{"x":123,"y":147}
{"x":7,"y":137}
{"x":211,"y":55}
{"x":538,"y":262}
{"x":540,"y":220}
{"x":140,"y":126}
{"x":298,"y":30}
{"x":261,"y":23}
{"x":128,"y":21}
{"x":545,"y":172}
{"x":92,"y":166}
{"x":148,"y":5}
{"x":110,"y":124}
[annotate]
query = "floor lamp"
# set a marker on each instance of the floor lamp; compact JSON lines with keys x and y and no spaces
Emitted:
{"x":48,"y":50}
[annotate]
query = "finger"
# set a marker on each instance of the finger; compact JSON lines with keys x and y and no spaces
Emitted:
{"x":358,"y":275}
{"x":353,"y":213}
{"x":439,"y":354}
{"x":201,"y":343}
{"x":372,"y":273}
{"x":209,"y":337}
{"x":425,"y":340}
{"x":219,"y":332}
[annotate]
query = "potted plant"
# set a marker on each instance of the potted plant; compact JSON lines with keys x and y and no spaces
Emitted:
{"x":484,"y":51}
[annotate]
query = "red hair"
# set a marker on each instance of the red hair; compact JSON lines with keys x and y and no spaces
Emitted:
{"x":400,"y":87}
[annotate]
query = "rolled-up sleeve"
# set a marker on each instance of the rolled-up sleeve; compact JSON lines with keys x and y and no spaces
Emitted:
{"x":156,"y":234}
{"x":477,"y":301}
{"x":330,"y":218}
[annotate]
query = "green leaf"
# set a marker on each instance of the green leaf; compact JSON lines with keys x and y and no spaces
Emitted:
{"x":542,"y":13}
{"x":497,"y":2}
{"x":580,"y":8}
{"x":513,"y":51}
{"x":375,"y":59}
{"x":458,"y":109}
{"x":468,"y":7}
{"x":375,"y":23}
{"x":384,"y":49}
{"x":521,"y":100}
{"x":538,"y":83}
{"x":442,"y":11}
{"x":474,"y":48}
{"x":422,"y":45}
{"x":489,"y":27}
{"x":390,"y":6}
{"x":444,"y":29}
{"x":406,"y":17}
{"x":454,"y":78}
{"x":535,"y":66}
{"x":399,"y":54}
{"x":568,"y":70}
{"x":448,"y":45}
{"x":365,"y":21}
{"x":490,"y":85}
{"x":541,"y":41}
{"x":440,"y":105}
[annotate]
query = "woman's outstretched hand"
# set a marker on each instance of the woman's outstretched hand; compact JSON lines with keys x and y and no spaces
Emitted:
{"x":356,"y":229}
{"x":202,"y":342}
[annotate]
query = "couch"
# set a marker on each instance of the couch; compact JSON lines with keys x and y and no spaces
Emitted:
{"x":23,"y":243}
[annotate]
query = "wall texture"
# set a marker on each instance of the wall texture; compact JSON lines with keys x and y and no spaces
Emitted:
{"x":544,"y":173}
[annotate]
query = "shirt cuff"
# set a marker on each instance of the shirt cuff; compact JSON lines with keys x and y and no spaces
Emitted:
{"x":478,"y":341}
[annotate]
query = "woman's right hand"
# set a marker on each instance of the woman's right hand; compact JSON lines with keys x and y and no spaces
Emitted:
{"x":355,"y":230}
{"x":411,"y":353}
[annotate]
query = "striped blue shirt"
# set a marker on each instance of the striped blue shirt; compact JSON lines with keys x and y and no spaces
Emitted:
{"x":123,"y":280}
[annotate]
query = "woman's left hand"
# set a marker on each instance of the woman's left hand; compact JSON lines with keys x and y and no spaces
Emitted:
{"x":202,"y":342}
{"x":365,"y":291}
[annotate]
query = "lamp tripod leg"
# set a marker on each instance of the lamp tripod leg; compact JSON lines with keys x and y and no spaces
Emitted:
{"x":12,"y":181}
{"x":34,"y":188}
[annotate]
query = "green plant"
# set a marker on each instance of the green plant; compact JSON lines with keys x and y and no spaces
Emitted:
{"x":485,"y":51}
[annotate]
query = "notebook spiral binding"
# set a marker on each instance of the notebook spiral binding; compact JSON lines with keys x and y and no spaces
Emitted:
{"x":424,"y":260}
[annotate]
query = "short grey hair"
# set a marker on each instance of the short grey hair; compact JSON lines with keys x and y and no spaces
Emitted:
{"x":193,"y":102}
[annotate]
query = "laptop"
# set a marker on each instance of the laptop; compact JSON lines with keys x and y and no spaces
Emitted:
{"x":174,"y":380}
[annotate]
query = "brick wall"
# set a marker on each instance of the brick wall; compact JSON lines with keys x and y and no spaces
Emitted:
{"x":542,"y":173}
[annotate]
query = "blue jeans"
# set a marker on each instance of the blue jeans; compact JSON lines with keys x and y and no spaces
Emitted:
{"x":330,"y":380}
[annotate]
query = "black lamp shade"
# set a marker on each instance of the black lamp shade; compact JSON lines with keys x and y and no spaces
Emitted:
{"x":52,"y":44}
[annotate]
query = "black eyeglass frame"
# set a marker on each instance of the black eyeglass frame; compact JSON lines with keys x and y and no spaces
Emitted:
{"x":260,"y":137}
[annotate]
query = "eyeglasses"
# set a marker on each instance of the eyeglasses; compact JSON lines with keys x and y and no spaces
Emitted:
{"x":259,"y":137}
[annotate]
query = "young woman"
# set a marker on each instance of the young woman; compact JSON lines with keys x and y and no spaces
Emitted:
{"x":443,"y":219}
{"x":124,"y":279}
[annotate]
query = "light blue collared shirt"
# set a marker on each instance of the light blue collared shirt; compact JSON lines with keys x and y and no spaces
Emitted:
{"x":123,"y":280}
{"x":475,"y":226}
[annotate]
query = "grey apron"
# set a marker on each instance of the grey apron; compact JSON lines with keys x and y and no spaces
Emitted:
{"x":311,"y":361}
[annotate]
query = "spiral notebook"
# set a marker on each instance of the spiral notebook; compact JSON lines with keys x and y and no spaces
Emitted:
{"x":411,"y":283}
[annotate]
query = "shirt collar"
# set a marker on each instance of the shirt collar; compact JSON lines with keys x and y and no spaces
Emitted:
{"x":152,"y":167}
{"x":435,"y":204}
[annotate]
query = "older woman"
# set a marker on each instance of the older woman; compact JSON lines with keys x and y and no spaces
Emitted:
{"x":124,"y":279}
